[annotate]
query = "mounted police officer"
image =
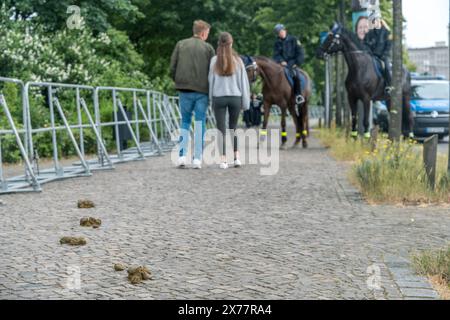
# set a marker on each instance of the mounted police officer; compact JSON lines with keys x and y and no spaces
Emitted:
{"x":289,"y":53}
{"x":379,"y":42}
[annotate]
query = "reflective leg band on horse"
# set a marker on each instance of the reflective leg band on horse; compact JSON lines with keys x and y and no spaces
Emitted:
{"x":284,"y":134}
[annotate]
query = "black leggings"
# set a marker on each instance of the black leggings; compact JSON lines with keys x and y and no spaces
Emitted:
{"x":220,"y":106}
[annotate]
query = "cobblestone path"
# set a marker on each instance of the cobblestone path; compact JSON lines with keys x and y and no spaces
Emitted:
{"x":304,"y":233}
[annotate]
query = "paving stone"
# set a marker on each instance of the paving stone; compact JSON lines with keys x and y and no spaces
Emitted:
{"x":415,"y":284}
{"x":418,"y":293}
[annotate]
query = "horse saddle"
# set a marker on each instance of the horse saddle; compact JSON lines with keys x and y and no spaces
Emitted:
{"x":299,"y":75}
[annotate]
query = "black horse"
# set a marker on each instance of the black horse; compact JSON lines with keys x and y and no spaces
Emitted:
{"x":363,"y":81}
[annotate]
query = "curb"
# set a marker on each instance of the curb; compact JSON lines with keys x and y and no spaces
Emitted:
{"x":411,"y":286}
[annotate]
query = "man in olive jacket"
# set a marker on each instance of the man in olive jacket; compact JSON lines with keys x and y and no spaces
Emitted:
{"x":189,"y":68}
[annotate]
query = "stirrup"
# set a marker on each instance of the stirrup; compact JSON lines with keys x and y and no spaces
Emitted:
{"x":388,"y":90}
{"x":299,"y":99}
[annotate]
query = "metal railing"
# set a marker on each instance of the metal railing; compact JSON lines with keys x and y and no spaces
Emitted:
{"x":152,"y":123}
{"x":145,"y":117}
{"x":57,"y":125}
{"x":27,"y":182}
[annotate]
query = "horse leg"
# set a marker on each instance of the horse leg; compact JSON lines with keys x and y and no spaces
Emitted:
{"x":283,"y":129}
{"x":263,"y":131}
{"x":366,"y":118}
{"x":304,"y":123}
{"x":408,"y":118}
{"x":296,"y":120}
{"x":353,"y":102}
{"x":306,"y":130}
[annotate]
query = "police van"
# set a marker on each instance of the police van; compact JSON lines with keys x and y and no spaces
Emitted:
{"x":430,"y":106}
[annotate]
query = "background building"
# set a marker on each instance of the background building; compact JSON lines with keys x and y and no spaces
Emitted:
{"x":432,"y":60}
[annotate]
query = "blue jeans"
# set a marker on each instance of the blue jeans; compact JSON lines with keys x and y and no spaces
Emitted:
{"x":198,"y":103}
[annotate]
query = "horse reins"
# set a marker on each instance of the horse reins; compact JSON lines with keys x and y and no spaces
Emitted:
{"x":337,"y":39}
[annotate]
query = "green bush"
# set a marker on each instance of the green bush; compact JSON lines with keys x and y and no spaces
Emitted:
{"x":394,"y":172}
{"x":433,"y":263}
{"x":30,"y":53}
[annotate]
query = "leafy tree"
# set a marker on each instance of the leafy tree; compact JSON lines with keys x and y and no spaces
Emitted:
{"x":53,"y":15}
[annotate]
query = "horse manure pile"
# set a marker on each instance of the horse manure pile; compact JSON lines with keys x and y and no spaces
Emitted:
{"x":90,"y":222}
{"x":119,"y":267}
{"x":136,"y":274}
{"x":73,"y":241}
{"x":85,"y":204}
{"x":84,"y":222}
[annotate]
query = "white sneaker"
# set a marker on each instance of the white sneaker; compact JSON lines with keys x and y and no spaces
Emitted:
{"x":224,"y":165}
{"x":237,"y":163}
{"x":197,"y":164}
{"x":181,"y":162}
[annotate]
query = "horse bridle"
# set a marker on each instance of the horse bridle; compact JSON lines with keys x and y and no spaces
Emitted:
{"x":254,"y":67}
{"x":336,"y":41}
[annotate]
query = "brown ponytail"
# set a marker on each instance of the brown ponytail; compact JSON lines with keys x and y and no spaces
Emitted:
{"x":226,"y":56}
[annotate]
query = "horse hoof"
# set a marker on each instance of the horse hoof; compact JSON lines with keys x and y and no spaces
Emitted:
{"x":305,"y":144}
{"x":283,"y":147}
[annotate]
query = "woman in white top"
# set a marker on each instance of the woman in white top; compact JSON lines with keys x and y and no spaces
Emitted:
{"x":229,"y":89}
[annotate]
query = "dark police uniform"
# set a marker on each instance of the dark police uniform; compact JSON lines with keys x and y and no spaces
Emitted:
{"x":290,"y":51}
{"x":378,"y":40}
{"x":252,"y":116}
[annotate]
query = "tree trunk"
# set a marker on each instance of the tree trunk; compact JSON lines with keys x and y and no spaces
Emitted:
{"x":395,"y":128}
{"x":340,"y":73}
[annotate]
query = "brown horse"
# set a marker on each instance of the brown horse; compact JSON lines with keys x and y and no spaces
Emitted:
{"x":278,"y":91}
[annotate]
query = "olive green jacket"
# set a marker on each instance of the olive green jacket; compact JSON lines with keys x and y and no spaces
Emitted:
{"x":189,"y":65}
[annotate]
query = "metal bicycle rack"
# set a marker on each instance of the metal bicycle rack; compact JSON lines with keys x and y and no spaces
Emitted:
{"x":122,"y":117}
{"x":168,"y":119}
{"x":56,"y":110}
{"x":78,"y":120}
{"x":28,"y":182}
